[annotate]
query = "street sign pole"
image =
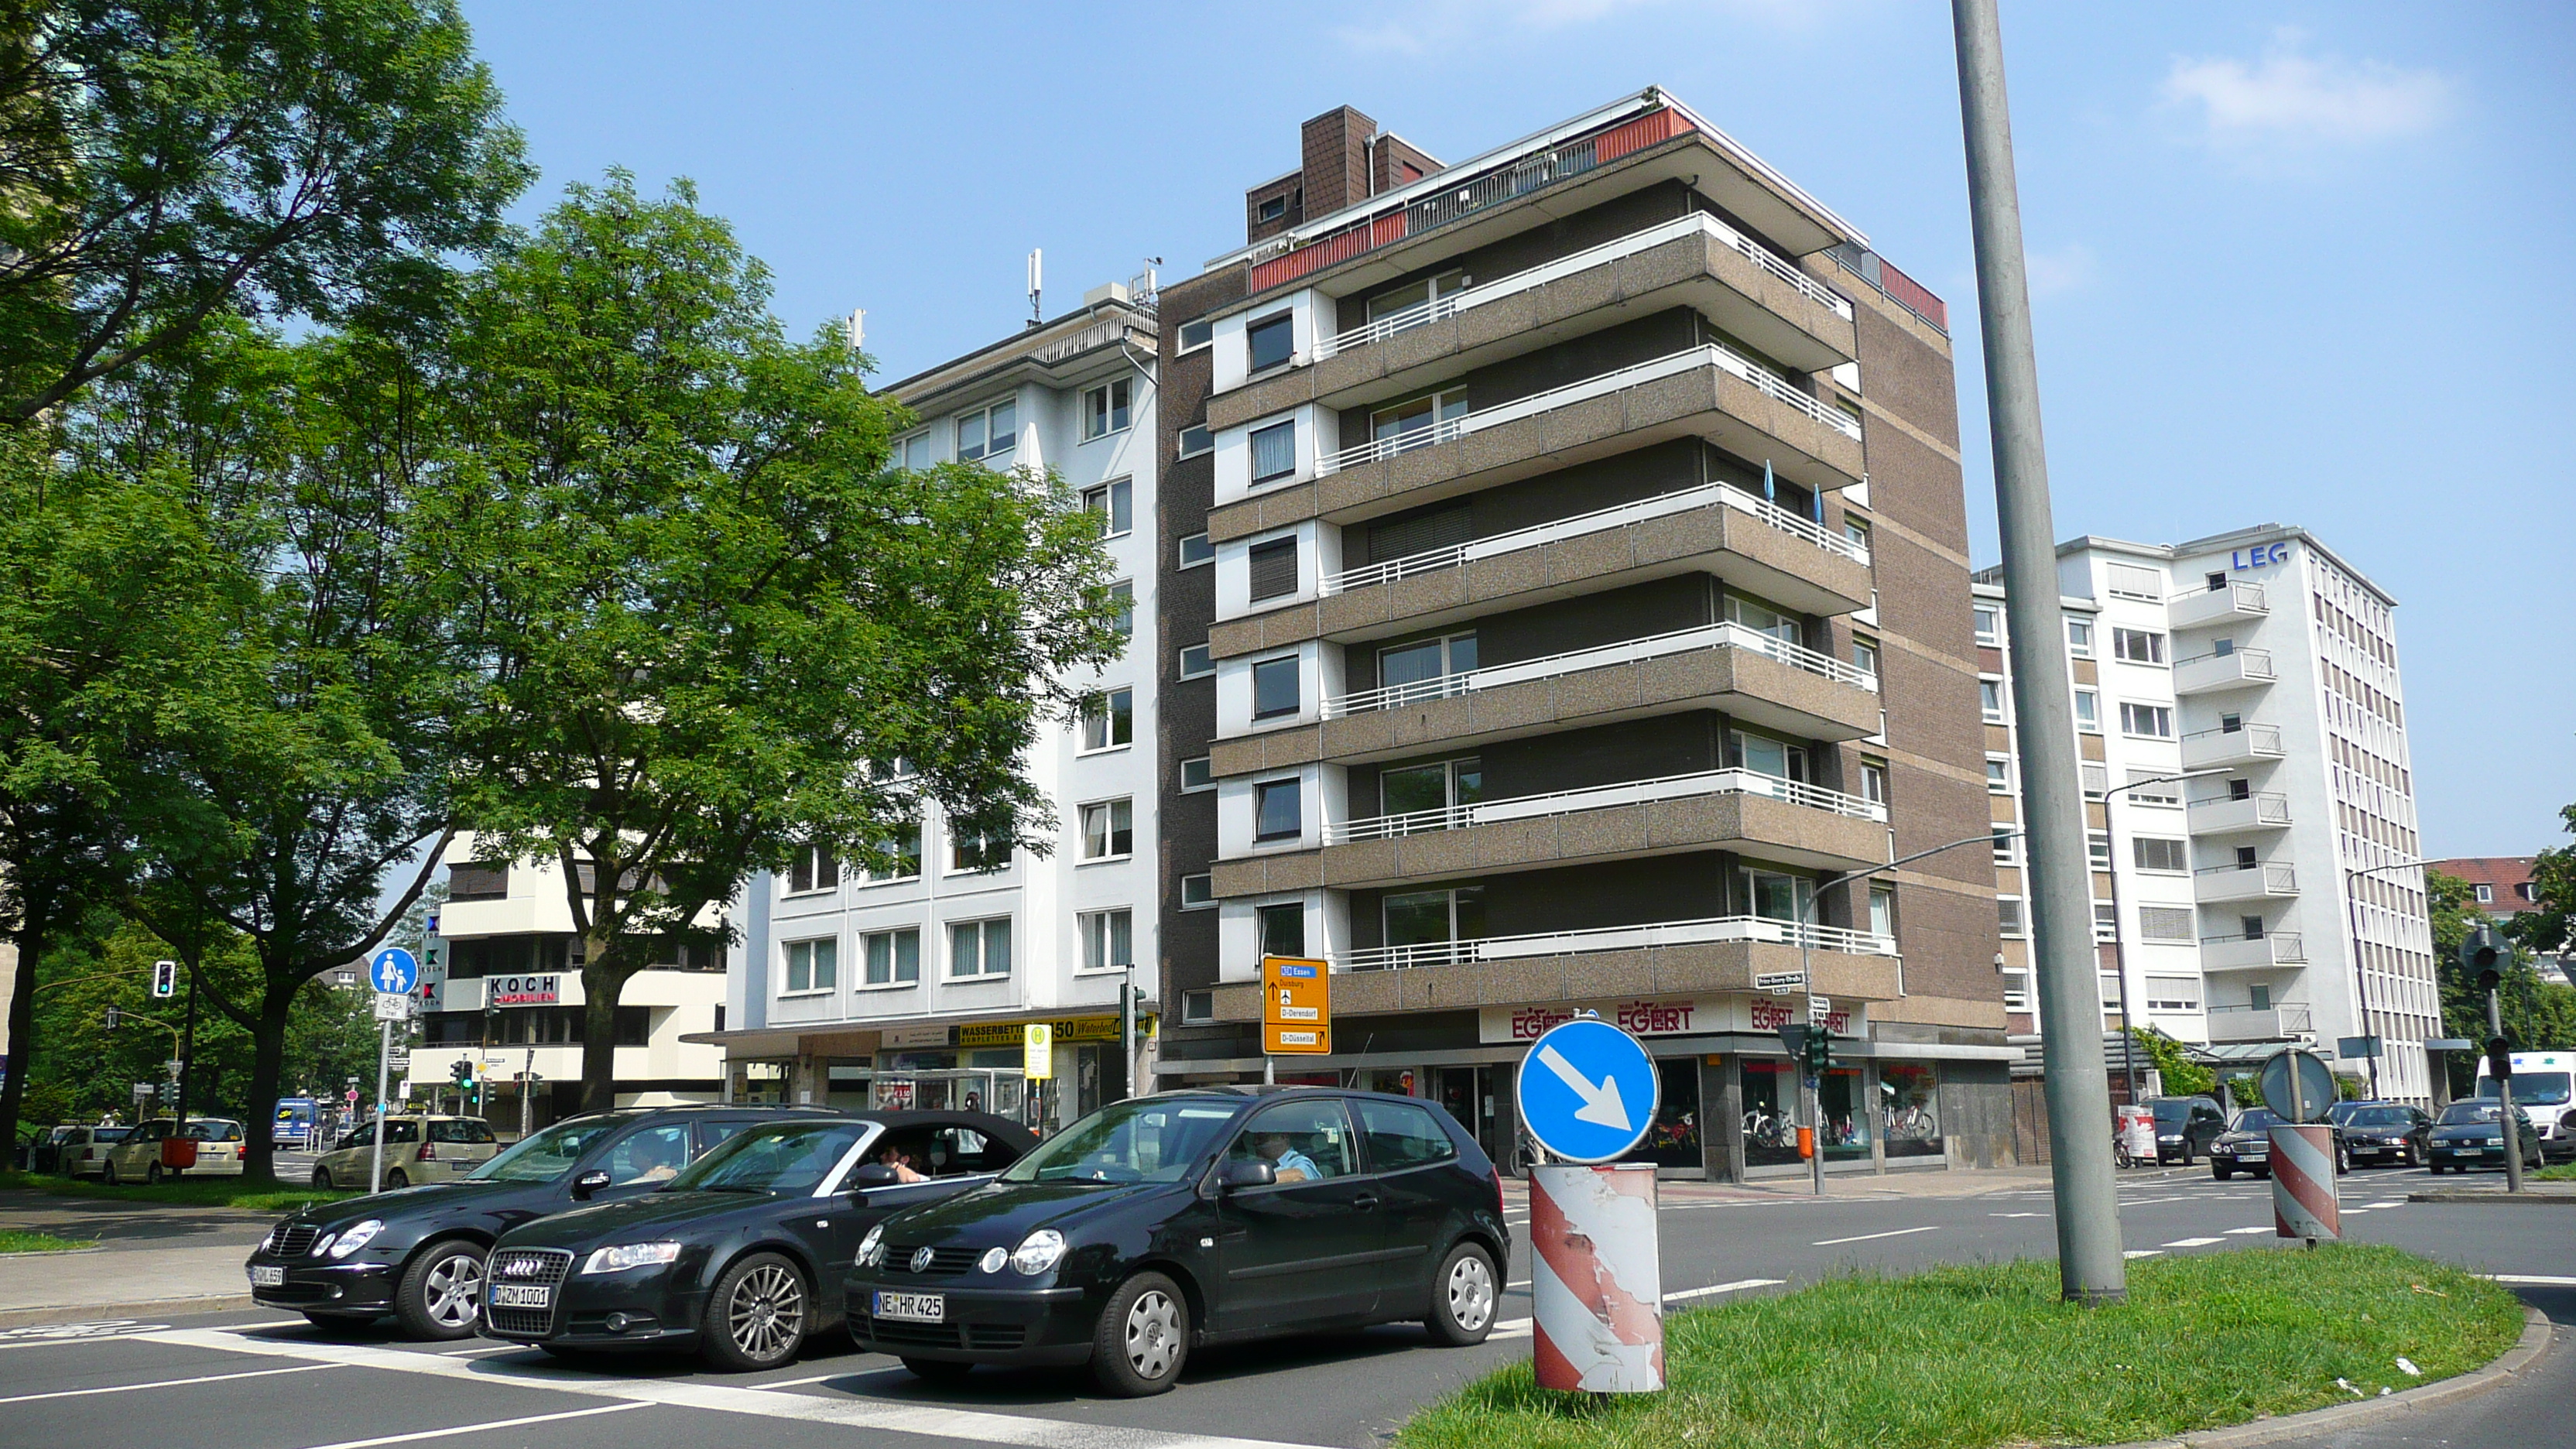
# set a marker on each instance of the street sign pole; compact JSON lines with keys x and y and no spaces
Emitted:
{"x":2509,"y":1116}
{"x":1811,"y":1096}
{"x":384,"y":1058}
{"x":1588,"y":1093}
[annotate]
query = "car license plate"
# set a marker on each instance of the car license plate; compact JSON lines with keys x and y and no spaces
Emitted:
{"x":522,"y":1295}
{"x":266,"y":1277}
{"x":912,"y":1307}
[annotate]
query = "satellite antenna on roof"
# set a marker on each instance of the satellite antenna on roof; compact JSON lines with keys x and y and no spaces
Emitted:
{"x":1037,"y":281}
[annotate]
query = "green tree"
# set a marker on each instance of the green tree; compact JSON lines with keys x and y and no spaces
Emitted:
{"x":2183,"y":1077}
{"x":2538,"y":1015}
{"x":2546,"y":927}
{"x":165,"y":162}
{"x":702,"y":602}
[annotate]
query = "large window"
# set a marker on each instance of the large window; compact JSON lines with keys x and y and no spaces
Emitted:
{"x":1274,"y":687}
{"x":1109,"y":830}
{"x":1108,"y":719}
{"x":1271,"y":341}
{"x":2173,"y":993}
{"x":1122,"y":604}
{"x":2154,"y":721}
{"x":1426,"y":921}
{"x":1114,"y":504}
{"x":1278,"y":810}
{"x":1412,"y":424}
{"x":1442,"y":785}
{"x":814,"y":870}
{"x":913,"y":452}
{"x":1104,"y":408}
{"x":1274,"y":451}
{"x":893,"y":957}
{"x":905,"y":847}
{"x":1108,"y":940}
{"x":1764,"y":755}
{"x":990,"y":433}
{"x":1274,"y":568}
{"x":970,"y":849}
{"x":980,"y":948}
{"x":812,"y":965}
{"x":2165,"y":923}
{"x":2171,"y":857}
{"x":1426,"y":660}
{"x":1282,"y":929}
{"x":2138,"y":646}
{"x":1420,"y":292}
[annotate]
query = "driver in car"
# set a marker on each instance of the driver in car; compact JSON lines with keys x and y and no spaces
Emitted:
{"x":901,"y":1162}
{"x":1286,"y":1162}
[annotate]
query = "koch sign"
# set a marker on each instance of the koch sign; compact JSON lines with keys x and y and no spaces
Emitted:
{"x":2261,"y":555}
{"x":526,"y":990}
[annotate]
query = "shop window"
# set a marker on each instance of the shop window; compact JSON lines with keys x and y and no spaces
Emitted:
{"x":1909,"y":1091}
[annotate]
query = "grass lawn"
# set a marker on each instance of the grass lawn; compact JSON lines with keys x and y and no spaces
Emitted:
{"x":248,"y":1193}
{"x":2563,"y":1172}
{"x":1975,"y":1356}
{"x":38,"y":1243}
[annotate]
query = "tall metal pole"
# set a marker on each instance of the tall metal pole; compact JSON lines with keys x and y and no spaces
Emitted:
{"x":1811,"y":1094}
{"x":2508,"y":1114}
{"x":384,"y":1060}
{"x":2090,"y":1269}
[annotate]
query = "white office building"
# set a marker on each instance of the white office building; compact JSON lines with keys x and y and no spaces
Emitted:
{"x":2244,"y":906}
{"x":916,"y":988}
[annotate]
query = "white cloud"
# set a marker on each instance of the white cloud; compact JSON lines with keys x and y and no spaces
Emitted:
{"x":2304,"y":99}
{"x":2067,"y":269}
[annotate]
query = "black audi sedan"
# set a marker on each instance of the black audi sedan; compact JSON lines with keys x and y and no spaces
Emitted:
{"x":418,"y":1253}
{"x":741,"y":1256}
{"x":2382,"y":1132}
{"x":1161,"y":1223}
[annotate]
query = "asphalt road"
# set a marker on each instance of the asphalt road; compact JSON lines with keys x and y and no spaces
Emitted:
{"x":266,"y":1381}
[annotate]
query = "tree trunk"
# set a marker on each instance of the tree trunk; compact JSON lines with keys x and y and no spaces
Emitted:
{"x":602,"y":982}
{"x":267,"y":1068}
{"x":33,"y":929}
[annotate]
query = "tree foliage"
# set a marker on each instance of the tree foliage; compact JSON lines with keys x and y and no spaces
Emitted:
{"x":2183,"y":1077}
{"x":2546,"y":926}
{"x":2538,"y":1015}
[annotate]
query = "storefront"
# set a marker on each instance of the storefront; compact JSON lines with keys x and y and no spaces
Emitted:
{"x":974,"y":1066}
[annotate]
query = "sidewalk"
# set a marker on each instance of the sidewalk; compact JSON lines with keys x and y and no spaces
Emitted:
{"x":152,"y":1258}
{"x":1919,"y":1183}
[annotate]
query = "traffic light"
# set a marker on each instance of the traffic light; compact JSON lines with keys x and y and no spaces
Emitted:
{"x":458,"y":1072}
{"x":2499,"y":1059}
{"x":165,"y":979}
{"x":115,"y":1017}
{"x":1820,"y":1050}
{"x":2486,"y":953}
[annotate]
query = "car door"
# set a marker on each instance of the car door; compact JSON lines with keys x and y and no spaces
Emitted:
{"x":347,"y":1162}
{"x":1305,"y":1248}
{"x":1407,"y":1155}
{"x":141,"y":1148}
{"x":2207,"y":1122}
{"x":642,"y":1159}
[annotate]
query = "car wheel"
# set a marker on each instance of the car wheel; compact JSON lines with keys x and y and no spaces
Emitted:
{"x":396,"y":1181}
{"x":2406,"y":1156}
{"x":756,"y":1315}
{"x":937,"y":1370}
{"x":441,"y":1293}
{"x":2186,"y":1152}
{"x":152,"y":1174}
{"x":2222,"y":1173}
{"x":322,"y":1178}
{"x":107,"y":1175}
{"x":1462,"y":1298}
{"x":2343,"y":1161}
{"x":1143,"y":1337}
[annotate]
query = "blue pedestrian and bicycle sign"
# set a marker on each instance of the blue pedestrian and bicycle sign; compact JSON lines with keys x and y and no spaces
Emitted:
{"x":393,"y":972}
{"x":1588,"y":1091}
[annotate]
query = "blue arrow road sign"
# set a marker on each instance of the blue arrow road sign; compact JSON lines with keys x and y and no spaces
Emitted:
{"x":393,"y":971}
{"x":1588,"y":1090}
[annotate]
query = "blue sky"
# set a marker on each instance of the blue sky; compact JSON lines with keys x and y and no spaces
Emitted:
{"x":2304,"y":263}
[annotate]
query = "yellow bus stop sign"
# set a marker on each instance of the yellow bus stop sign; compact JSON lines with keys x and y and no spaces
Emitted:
{"x":1037,"y":1051}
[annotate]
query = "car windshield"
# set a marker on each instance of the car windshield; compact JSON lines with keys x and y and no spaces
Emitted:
{"x":2257,"y":1119}
{"x":2170,"y":1112}
{"x":2459,"y":1113}
{"x":212,"y":1130}
{"x":551,"y":1153}
{"x":109,"y":1134}
{"x":2379,"y":1117}
{"x":2534,"y":1089}
{"x":782,"y":1157}
{"x":1144,"y":1140}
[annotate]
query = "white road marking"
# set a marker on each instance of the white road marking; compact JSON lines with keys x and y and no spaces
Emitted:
{"x":1867,"y":1237}
{"x":2399,"y":1203}
{"x":301,"y":1368}
{"x":2144,"y":1253}
{"x":418,"y":1435}
{"x":2017,"y":1215}
{"x":2531,"y":1280}
{"x":1738,"y":1285}
{"x":2193,"y":1242}
{"x":2354,"y":1212}
{"x":811,"y":1379}
{"x":481,"y":1350}
{"x":2240,"y":1232}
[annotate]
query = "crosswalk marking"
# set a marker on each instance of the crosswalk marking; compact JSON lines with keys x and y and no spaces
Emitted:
{"x":2193,"y":1242}
{"x":2144,"y":1253}
{"x":2240,"y":1232}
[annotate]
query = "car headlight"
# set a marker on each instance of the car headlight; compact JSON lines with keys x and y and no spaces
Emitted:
{"x":629,"y":1255}
{"x":356,"y":1238}
{"x":1038,"y":1252}
{"x":872,"y":1247}
{"x":2172,"y":1137}
{"x":993,"y":1259}
{"x":2495,"y":1142}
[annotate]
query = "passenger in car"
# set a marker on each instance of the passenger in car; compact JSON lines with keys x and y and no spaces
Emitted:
{"x":896,"y":1158}
{"x":1286,"y":1162}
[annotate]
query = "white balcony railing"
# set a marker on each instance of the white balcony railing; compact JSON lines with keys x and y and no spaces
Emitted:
{"x":1605,"y":797}
{"x":1378,"y":329}
{"x":2266,"y":809}
{"x":1713,"y":930}
{"x":1707,"y":354}
{"x":2234,"y":882}
{"x":1599,"y":520}
{"x":1601,"y":656}
{"x":2260,"y":1023}
{"x":2241,"y":952}
{"x":2253,"y":741}
{"x":2222,"y":669}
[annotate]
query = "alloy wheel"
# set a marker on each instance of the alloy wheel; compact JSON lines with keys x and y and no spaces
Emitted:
{"x":454,"y":1290}
{"x":1153,"y":1334}
{"x":767,"y":1314}
{"x":1471,"y":1292}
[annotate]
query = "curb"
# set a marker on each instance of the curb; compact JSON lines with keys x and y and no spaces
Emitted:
{"x":2492,"y":1195}
{"x":2507,"y":1367}
{"x":147,"y":1308}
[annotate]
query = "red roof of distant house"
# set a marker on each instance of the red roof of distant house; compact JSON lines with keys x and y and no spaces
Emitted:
{"x":2503,"y":875}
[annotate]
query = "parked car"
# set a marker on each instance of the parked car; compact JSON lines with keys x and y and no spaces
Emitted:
{"x":1161,"y":1223}
{"x":741,"y":1257}
{"x":417,"y":1149}
{"x":2185,"y":1126}
{"x":418,"y":1254}
{"x":2471,"y":1134}
{"x":83,"y":1150}
{"x":2246,"y":1145}
{"x":2381,"y":1132}
{"x":213,"y":1148}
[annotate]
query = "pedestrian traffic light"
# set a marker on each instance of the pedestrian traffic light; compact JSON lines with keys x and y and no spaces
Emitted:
{"x":2486,"y":953}
{"x":165,"y":979}
{"x":1820,"y":1050}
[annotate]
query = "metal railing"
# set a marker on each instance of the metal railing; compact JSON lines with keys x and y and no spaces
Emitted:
{"x":1604,"y":797}
{"x":2282,"y":945}
{"x":1707,"y":354}
{"x":2270,"y":807}
{"x":1618,"y":515}
{"x":2294,"y":1015}
{"x":2260,"y":739}
{"x":1377,"y":329}
{"x":1600,"y":656}
{"x":2249,"y":597}
{"x":1713,"y":930}
{"x":2257,"y":665}
{"x":2277,"y":879}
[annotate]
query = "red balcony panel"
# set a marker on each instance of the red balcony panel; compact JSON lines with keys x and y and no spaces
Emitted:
{"x":1910,"y":292}
{"x":1653,"y":128}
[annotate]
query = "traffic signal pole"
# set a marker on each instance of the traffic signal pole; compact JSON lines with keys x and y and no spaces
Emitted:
{"x":2090,"y":1268}
{"x":2508,"y":1115}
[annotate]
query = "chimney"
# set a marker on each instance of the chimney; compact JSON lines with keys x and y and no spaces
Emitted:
{"x":1335,"y":159}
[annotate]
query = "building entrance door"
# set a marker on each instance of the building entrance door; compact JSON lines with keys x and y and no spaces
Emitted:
{"x":1468,"y":1093}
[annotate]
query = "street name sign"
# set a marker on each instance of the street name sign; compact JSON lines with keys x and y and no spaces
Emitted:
{"x":1780,"y":983}
{"x":1588,"y":1091}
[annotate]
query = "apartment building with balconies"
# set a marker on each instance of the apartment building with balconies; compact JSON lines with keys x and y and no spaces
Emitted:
{"x":913,"y":988}
{"x":1569,"y":572}
{"x":2241,"y":724}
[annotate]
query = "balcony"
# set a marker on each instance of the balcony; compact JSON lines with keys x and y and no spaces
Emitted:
{"x":2252,"y":744}
{"x":2233,"y":604}
{"x":2261,"y":881}
{"x":2229,"y":669}
{"x":2228,"y":816}
{"x":2269,"y":952}
{"x":2288,"y":1021}
{"x":1656,"y":935}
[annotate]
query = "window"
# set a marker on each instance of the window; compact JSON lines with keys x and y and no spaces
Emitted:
{"x":2097,"y":848}
{"x":1761,"y":618}
{"x":1399,"y":1135}
{"x":1766,"y":756}
{"x":989,"y":433}
{"x":1272,"y":208}
{"x":2088,"y":711}
{"x":2079,"y":638}
{"x":1195,"y":662}
{"x":2485,"y":892}
{"x":1415,"y":669}
{"x":1421,"y":292}
{"x":2128,"y":581}
{"x":1104,"y":408}
{"x":913,"y":452}
{"x":1855,"y":528}
{"x":1434,"y":919}
{"x":2138,"y":646}
{"x":1108,"y":720}
{"x":1444,"y":786}
{"x":1115,"y":504}
{"x":1282,"y":929}
{"x":1271,"y":341}
{"x":1198,"y":892}
{"x":2165,"y":792}
{"x":2522,"y":889}
{"x":1990,"y":624}
{"x":812,"y":965}
{"x":1990,"y":699}
{"x":1196,"y":551}
{"x":2003,"y":843}
{"x":2154,"y":721}
{"x":1274,"y":687}
{"x":1277,"y":810}
{"x":1873,"y":781}
{"x":894,"y":957}
{"x":1195,"y":335}
{"x":1122,"y":601}
{"x":2096,"y":778}
{"x":970,"y":849}
{"x":1865,"y":654}
{"x":2173,"y":993}
{"x":1109,"y":830}
{"x":1274,"y":568}
{"x":1417,"y":423}
{"x":905,"y":847}
{"x":814,"y":870}
{"x":1195,"y":441}
{"x":2106,"y":918}
{"x":1198,"y":1006}
{"x":1999,"y":774}
{"x":2165,"y":923}
{"x":1195,"y":776}
{"x":980,"y":948}
{"x":1108,"y":940}
{"x":1317,"y":1129}
{"x":2008,"y":914}
{"x":2172,"y":857}
{"x":1882,"y":911}
{"x":1274,"y":451}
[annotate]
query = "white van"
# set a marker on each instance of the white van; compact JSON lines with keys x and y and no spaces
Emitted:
{"x":2544,"y":1087}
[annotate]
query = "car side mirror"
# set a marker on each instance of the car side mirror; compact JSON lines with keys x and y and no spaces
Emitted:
{"x":587,"y":1184}
{"x":1236,"y":1176}
{"x":873,"y":1174}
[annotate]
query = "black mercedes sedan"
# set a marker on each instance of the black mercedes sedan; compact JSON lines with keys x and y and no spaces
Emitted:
{"x":741,"y":1256}
{"x":418,"y":1253}
{"x":1161,"y":1223}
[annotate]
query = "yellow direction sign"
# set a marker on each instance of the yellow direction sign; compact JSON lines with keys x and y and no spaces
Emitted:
{"x":1037,"y":1051}
{"x":1296,"y":1006}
